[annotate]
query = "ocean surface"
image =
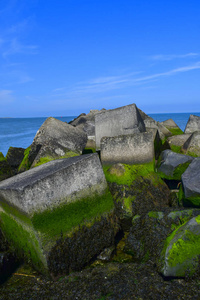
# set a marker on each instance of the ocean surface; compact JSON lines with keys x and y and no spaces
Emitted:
{"x":20,"y":132}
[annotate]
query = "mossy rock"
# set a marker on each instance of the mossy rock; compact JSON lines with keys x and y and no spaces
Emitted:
{"x":5,"y":169}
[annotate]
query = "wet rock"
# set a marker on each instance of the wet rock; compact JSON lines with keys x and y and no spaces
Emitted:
{"x":59,"y":207}
{"x":5,"y":169}
{"x":190,"y":184}
{"x":181,"y":252}
{"x":193,"y":124}
{"x":172,"y":165}
{"x":120,"y":121}
{"x":192,"y":144}
{"x":14,"y":158}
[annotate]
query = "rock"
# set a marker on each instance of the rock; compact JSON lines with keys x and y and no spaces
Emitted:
{"x":172,"y":127}
{"x":61,"y":133}
{"x":172,"y":165}
{"x":106,"y":254}
{"x":51,"y":141}
{"x":14,"y":158}
{"x":190,"y":184}
{"x":176,"y":142}
{"x":192,"y":144}
{"x":52,"y":211}
{"x":120,"y":121}
{"x":136,"y":191}
{"x":129,"y":149}
{"x":193,"y":124}
{"x":180,"y":255}
{"x":5,"y":169}
{"x":149,"y":233}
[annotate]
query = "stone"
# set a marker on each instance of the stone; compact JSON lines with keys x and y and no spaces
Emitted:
{"x":172,"y":127}
{"x":180,"y":255}
{"x":176,"y":142}
{"x":50,"y":212}
{"x":14,"y":158}
{"x":172,"y":165}
{"x":193,"y":124}
{"x":5,"y":169}
{"x":192,"y":144}
{"x":120,"y":121}
{"x":128,"y":149}
{"x":190,"y":184}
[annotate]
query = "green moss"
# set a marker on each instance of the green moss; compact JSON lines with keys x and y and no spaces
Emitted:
{"x":175,"y":131}
{"x":192,"y":201}
{"x":46,"y":159}
{"x":176,"y":149}
{"x":178,"y":171}
{"x":184,"y":249}
{"x":156,"y":214}
{"x":25,"y":164}
{"x":89,"y":150}
{"x":192,"y":154}
{"x":131,"y":173}
{"x":65,"y":218}
{"x":2,"y":158}
{"x":23,"y":239}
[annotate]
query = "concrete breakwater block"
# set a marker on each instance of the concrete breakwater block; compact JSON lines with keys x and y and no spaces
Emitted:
{"x":64,"y":204}
{"x":128,"y":149}
{"x":120,"y":121}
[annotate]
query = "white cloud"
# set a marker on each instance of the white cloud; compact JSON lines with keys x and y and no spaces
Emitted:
{"x":163,"y":57}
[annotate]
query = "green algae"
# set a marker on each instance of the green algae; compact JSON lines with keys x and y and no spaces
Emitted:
{"x":175,"y":148}
{"x":131,"y":173}
{"x":25,"y":164}
{"x":46,"y":159}
{"x":175,"y":131}
{"x":177,"y":173}
{"x":89,"y":150}
{"x":155,"y":214}
{"x":193,"y":154}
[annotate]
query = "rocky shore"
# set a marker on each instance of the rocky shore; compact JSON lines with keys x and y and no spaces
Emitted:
{"x":106,"y":207}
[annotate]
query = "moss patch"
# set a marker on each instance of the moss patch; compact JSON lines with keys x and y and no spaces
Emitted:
{"x":175,"y":131}
{"x":131,"y":173}
{"x":25,"y":164}
{"x":2,"y":158}
{"x":176,"y":149}
{"x":156,"y":214}
{"x":178,"y":171}
{"x":89,"y":150}
{"x":192,"y":154}
{"x":46,"y":159}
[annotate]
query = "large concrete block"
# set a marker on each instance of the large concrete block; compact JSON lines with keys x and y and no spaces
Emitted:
{"x":47,"y":204}
{"x":129,"y":149}
{"x":120,"y":121}
{"x":193,"y":124}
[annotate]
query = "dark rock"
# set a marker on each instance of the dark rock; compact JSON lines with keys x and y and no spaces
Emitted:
{"x":5,"y":169}
{"x":14,"y":158}
{"x":192,"y":144}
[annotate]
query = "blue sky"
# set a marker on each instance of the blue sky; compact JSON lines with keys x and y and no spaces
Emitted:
{"x":64,"y":57}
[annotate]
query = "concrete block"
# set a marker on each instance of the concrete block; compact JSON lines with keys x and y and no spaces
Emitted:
{"x":120,"y":121}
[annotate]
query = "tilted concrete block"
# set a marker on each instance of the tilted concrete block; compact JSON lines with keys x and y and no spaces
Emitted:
{"x":48,"y":206}
{"x":120,"y":121}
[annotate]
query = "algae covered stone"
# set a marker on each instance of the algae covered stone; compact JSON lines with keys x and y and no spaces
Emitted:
{"x":180,"y":256}
{"x":56,"y":208}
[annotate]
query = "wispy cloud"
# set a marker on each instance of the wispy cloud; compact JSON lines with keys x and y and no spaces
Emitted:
{"x":6,"y":97}
{"x":14,"y":46}
{"x":163,"y":57}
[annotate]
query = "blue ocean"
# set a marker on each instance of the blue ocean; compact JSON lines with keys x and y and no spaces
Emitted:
{"x":20,"y":132}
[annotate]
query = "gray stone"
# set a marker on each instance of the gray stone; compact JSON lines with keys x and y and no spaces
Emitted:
{"x":61,"y":133}
{"x":52,"y":211}
{"x":5,"y":169}
{"x":129,"y":149}
{"x":180,"y":257}
{"x":15,"y":156}
{"x":172,"y":164}
{"x":170,"y":124}
{"x":120,"y":121}
{"x":190,"y":182}
{"x":192,"y":144}
{"x":178,"y":140}
{"x":193,"y":124}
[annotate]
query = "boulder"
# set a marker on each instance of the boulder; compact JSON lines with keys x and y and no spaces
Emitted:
{"x":120,"y":121}
{"x":193,"y":124}
{"x":128,"y":149}
{"x":192,"y":144}
{"x":50,"y":212}
{"x":172,"y":127}
{"x":14,"y":158}
{"x":181,"y":252}
{"x":190,"y":184}
{"x":5,"y":169}
{"x":176,"y":142}
{"x":149,"y":233}
{"x":53,"y":139}
{"x":172,"y":165}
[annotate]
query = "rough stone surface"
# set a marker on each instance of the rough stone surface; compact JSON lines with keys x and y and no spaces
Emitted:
{"x":120,"y":121}
{"x":51,"y":184}
{"x":5,"y":169}
{"x":178,"y":140}
{"x":190,"y":181}
{"x":192,"y":144}
{"x":129,"y":149}
{"x":169,"y":123}
{"x":15,"y":156}
{"x":193,"y":124}
{"x":61,"y":133}
{"x":170,"y":161}
{"x":181,"y":254}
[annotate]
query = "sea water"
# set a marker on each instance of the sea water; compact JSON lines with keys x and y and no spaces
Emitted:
{"x":20,"y":132}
